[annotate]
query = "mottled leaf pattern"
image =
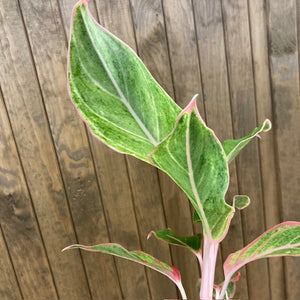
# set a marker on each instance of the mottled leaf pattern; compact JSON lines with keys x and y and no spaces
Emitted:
{"x":136,"y":256}
{"x":113,"y":91}
{"x":191,"y":242}
{"x":233,"y":147}
{"x":194,"y":158}
{"x":281,"y":240}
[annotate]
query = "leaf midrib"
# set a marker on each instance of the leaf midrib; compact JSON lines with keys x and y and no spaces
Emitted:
{"x":122,"y":96}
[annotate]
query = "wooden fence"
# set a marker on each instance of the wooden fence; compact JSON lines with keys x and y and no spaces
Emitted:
{"x":60,"y":186}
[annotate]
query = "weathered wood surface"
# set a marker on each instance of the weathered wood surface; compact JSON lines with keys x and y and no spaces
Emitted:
{"x":59,"y":185}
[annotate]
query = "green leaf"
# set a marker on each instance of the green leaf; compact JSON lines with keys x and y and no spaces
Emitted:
{"x":191,"y":242}
{"x":233,"y":147}
{"x":231,"y":288}
{"x":281,"y":240}
{"x":194,"y":158}
{"x":240,"y":201}
{"x":137,"y":256}
{"x":113,"y":91}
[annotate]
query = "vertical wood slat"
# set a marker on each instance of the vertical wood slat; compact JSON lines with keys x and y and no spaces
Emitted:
{"x":258,"y":22}
{"x":29,"y":123}
{"x":244,"y":120}
{"x":285,"y":91}
{"x":210,"y":35}
{"x":18,"y":223}
{"x":115,"y":182}
{"x":9,"y":286}
{"x":47,"y":39}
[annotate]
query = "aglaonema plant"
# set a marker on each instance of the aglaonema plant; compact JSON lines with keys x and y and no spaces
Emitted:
{"x":127,"y":109}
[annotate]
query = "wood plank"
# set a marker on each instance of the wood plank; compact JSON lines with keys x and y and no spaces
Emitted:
{"x":259,"y":41}
{"x":71,"y":143}
{"x":112,"y":175}
{"x":9,"y":286}
{"x":210,"y":37}
{"x":33,"y":139}
{"x":237,"y":36}
{"x":18,"y":222}
{"x":285,"y":91}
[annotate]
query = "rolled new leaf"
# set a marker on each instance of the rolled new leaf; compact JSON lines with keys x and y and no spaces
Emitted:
{"x":194,"y":158}
{"x":233,"y":147}
{"x":193,"y":243}
{"x":113,"y":91}
{"x":240,"y":201}
{"x":137,"y":256}
{"x":281,"y":240}
{"x":231,"y":288}
{"x":230,"y":291}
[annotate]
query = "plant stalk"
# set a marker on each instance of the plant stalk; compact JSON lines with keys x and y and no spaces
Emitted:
{"x":182,"y":291}
{"x":208,"y":268}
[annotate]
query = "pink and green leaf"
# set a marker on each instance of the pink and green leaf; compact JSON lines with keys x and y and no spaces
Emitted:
{"x":231,"y":288}
{"x":113,"y":91}
{"x":194,"y":158}
{"x":137,"y":256}
{"x":193,"y":243}
{"x":233,"y":147}
{"x":281,"y":240}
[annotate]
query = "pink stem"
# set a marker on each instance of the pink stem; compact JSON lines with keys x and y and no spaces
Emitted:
{"x":208,"y":268}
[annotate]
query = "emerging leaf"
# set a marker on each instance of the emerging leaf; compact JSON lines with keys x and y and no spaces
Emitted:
{"x":281,"y":240}
{"x":230,"y":291}
{"x":231,"y":288}
{"x":137,"y":256}
{"x":233,"y":147}
{"x":240,"y":201}
{"x":191,"y":242}
{"x":113,"y":91}
{"x":194,"y":158}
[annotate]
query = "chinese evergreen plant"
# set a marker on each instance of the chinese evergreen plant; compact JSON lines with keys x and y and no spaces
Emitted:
{"x":128,"y":110}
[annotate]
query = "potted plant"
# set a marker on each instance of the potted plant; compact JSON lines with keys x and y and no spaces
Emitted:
{"x":127,"y":109}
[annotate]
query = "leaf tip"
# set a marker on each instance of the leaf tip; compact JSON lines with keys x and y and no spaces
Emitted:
{"x":66,"y":248}
{"x":267,"y":125}
{"x":192,"y":105}
{"x":150,"y":234}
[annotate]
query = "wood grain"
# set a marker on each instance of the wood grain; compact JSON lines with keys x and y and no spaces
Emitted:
{"x":210,"y":38}
{"x":285,"y":91}
{"x":71,"y":142}
{"x":60,"y":185}
{"x":259,"y":41}
{"x":19,"y":224}
{"x":30,"y":126}
{"x":243,"y":110}
{"x":9,"y":286}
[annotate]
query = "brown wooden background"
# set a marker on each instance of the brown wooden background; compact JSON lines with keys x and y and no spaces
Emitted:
{"x":61,"y":186}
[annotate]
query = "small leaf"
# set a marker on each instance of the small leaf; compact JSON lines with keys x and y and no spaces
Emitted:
{"x":194,"y":158}
{"x":231,"y":288}
{"x":113,"y":91}
{"x":281,"y":240}
{"x":191,"y":242}
{"x":230,"y":291}
{"x":137,"y":256}
{"x":233,"y":147}
{"x":240,"y":201}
